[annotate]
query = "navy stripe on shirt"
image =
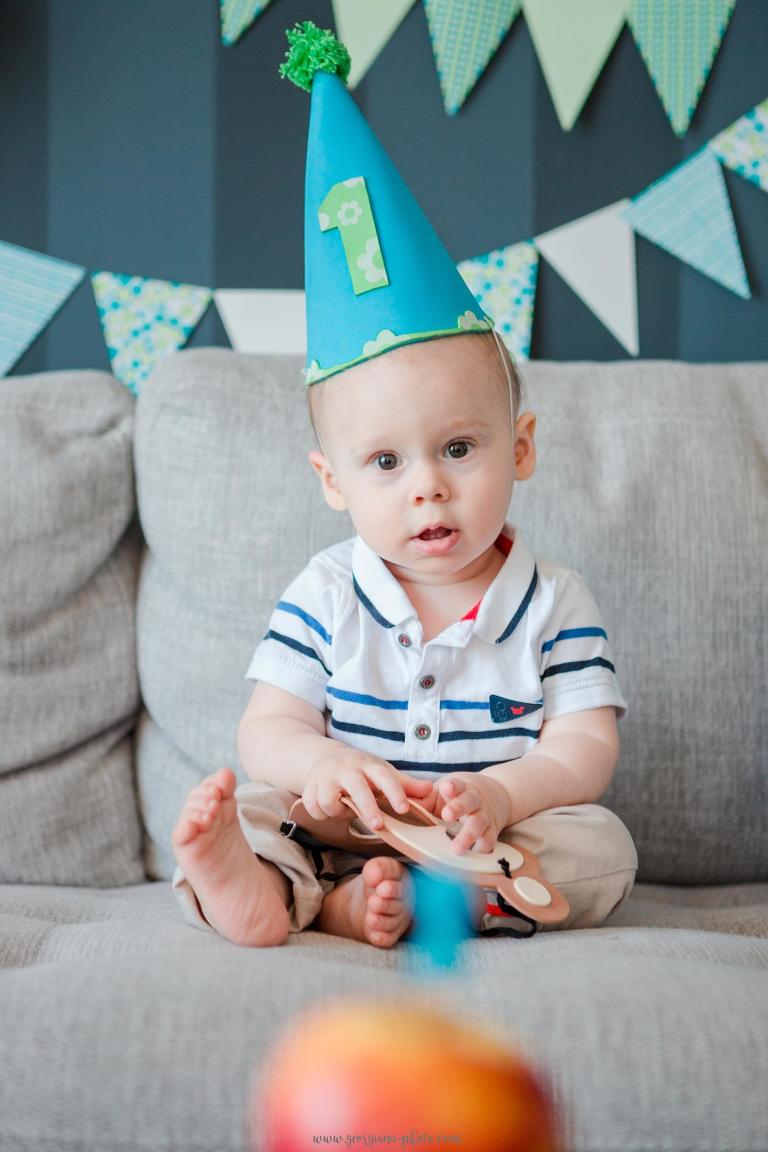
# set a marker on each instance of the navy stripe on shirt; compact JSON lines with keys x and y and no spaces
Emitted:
{"x":287,"y":606}
{"x":409,"y":765}
{"x":522,"y":609}
{"x":364,"y":730}
{"x":369,"y":605}
{"x":572,"y":634}
{"x":296,"y":645}
{"x":489,"y":734}
{"x":576,"y":666}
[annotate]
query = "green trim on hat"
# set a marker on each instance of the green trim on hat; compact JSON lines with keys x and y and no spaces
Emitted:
{"x":386,"y":341}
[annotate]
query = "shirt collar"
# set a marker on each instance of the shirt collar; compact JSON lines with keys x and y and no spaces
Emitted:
{"x":502,"y":607}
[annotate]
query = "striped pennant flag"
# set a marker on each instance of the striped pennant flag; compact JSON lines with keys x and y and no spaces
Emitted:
{"x":32,"y":290}
{"x":504,"y":284}
{"x":465,"y":35}
{"x":678,"y":40}
{"x":744,"y":146}
{"x":687,"y":212}
{"x":237,"y":15}
{"x":145,"y":320}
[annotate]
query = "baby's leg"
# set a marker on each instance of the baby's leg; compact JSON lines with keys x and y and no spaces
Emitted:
{"x":243,"y":897}
{"x":376,"y":906}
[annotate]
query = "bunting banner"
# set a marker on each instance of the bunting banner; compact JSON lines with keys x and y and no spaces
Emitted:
{"x":262,"y":321}
{"x":365,"y":28}
{"x":465,"y":37}
{"x":145,"y":320}
{"x":678,"y":40}
{"x":687,"y":212}
{"x":237,"y":16}
{"x":504,"y":284}
{"x":595,"y":255}
{"x":573,"y":42}
{"x":33,"y":288}
{"x":744,"y":146}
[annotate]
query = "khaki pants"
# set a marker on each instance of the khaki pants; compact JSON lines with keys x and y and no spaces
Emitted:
{"x":583,"y":849}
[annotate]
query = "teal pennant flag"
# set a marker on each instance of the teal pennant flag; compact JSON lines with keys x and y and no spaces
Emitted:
{"x":688,"y":213}
{"x":145,"y":320}
{"x":32,"y":290}
{"x":504,"y":284}
{"x":465,"y":35}
{"x":744,"y":146}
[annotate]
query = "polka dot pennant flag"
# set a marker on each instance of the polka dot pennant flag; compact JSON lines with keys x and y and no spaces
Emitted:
{"x":32,"y":290}
{"x":465,"y":35}
{"x":145,"y":320}
{"x":678,"y":40}
{"x":687,"y":212}
{"x":504,"y":284}
{"x":744,"y":146}
{"x":237,"y":16}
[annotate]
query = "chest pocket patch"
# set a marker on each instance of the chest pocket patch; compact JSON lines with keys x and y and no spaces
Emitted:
{"x":503,"y":710}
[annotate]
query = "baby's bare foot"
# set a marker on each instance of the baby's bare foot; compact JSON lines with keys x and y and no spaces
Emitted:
{"x":375,"y":907}
{"x":243,"y":897}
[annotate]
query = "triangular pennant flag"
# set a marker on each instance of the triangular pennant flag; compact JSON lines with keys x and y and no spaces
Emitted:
{"x":688,"y":213}
{"x":237,"y":15}
{"x":504,"y":283}
{"x":572,"y":42}
{"x":364,"y":29}
{"x":678,"y":40}
{"x":263,"y":321}
{"x":465,"y":35}
{"x":145,"y":320}
{"x":595,"y":255}
{"x":744,"y":146}
{"x":32,"y":290}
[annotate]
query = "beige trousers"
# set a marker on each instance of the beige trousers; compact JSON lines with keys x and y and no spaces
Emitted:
{"x":583,"y":849}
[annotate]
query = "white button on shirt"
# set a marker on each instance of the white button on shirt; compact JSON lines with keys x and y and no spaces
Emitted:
{"x":345,"y":637}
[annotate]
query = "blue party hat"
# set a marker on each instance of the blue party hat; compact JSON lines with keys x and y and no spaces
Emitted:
{"x":376,"y":273}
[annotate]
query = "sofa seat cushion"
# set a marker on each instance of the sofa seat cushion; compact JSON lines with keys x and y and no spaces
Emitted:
{"x":652,"y":1038}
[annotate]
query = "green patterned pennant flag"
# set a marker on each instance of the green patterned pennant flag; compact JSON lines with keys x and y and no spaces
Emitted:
{"x":32,"y":290}
{"x":237,"y":15}
{"x":504,"y":283}
{"x":364,"y":27}
{"x":679,"y":40}
{"x":144,"y":320}
{"x":572,"y":42}
{"x":465,"y":35}
{"x":744,"y":146}
{"x":688,"y":213}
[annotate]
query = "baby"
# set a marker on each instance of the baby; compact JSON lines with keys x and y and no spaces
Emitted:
{"x":430,"y":656}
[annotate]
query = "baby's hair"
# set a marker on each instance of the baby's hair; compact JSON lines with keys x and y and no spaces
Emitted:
{"x":506,"y":373}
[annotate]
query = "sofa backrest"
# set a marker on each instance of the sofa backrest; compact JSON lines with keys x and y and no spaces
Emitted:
{"x":651,"y":482}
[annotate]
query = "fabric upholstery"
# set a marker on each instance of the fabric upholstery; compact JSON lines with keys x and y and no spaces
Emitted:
{"x":69,"y":694}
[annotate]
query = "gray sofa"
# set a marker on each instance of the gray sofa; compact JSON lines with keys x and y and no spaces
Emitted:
{"x":124,"y":641}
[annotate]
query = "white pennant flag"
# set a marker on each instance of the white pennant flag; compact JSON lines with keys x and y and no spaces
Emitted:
{"x":364,"y":27}
{"x":595,"y":255}
{"x":263,"y":321}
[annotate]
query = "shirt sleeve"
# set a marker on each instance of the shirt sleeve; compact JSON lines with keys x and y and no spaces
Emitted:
{"x":295,"y":651}
{"x":577,"y":665}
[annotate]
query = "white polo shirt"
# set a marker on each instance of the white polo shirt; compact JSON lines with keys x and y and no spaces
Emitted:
{"x":345,"y":637}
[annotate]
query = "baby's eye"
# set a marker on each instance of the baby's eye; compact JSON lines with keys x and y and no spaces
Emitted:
{"x":458,"y":449}
{"x":386,"y":461}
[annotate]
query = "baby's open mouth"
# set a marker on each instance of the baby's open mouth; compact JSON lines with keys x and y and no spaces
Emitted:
{"x":434,"y":533}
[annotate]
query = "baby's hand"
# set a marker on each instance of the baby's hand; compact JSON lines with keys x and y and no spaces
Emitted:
{"x":479,"y":803}
{"x":349,"y":771}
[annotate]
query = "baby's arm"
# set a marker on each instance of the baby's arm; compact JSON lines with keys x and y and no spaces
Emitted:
{"x":281,"y":740}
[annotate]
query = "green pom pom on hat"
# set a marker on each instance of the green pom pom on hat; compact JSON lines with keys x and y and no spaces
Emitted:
{"x":313,"y":50}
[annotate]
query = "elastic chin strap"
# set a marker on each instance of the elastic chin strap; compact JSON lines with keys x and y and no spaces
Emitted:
{"x":507,"y":373}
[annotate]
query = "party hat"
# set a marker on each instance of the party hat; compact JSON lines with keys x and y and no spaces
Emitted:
{"x":376,"y":274}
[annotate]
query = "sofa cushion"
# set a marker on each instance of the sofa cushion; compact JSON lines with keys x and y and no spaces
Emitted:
{"x":68,"y":683}
{"x":649,"y":482}
{"x":651,"y":1039}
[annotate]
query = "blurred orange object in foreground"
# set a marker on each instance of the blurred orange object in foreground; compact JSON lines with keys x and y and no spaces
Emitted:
{"x":374,"y":1076}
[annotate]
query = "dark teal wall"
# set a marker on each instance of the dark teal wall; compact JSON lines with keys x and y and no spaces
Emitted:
{"x":132,"y":140}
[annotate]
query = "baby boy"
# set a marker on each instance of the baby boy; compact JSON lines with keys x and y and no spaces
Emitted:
{"x":431,"y":655}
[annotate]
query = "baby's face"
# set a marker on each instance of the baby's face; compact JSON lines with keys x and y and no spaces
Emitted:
{"x":422,"y":436}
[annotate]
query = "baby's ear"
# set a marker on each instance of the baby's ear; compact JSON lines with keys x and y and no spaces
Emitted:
{"x":322,"y":466}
